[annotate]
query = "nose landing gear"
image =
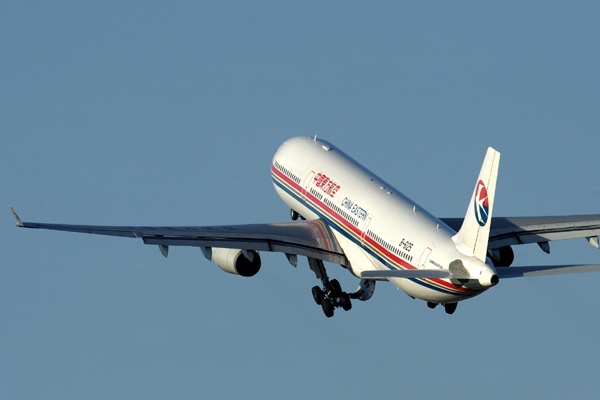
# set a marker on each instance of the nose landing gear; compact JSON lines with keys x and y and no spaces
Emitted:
{"x":294,"y":215}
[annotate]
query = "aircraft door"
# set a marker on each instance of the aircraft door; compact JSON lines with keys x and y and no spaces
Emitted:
{"x":424,"y":258}
{"x":307,"y":182}
{"x":364,"y":231}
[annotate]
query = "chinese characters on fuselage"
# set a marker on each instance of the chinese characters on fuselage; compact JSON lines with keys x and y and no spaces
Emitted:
{"x":324,"y":183}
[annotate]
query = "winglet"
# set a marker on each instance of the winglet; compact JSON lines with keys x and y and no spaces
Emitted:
{"x":472,"y":238}
{"x":19,"y":223}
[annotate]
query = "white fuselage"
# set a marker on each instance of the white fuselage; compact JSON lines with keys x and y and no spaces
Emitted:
{"x":377,"y":226}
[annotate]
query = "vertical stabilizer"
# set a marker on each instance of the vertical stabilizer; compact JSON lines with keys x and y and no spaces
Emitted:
{"x":472,"y":238}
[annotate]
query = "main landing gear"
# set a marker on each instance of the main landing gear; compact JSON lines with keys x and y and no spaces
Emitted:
{"x":450,"y":307}
{"x":330,"y":296}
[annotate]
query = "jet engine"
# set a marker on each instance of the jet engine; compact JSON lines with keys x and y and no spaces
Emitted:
{"x":236,"y":262}
{"x":502,"y":257}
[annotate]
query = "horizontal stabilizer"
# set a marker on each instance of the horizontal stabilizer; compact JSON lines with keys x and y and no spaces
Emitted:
{"x":414,"y":273}
{"x":519,"y":272}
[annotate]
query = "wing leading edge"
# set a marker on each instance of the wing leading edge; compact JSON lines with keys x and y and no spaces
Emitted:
{"x":306,"y":238}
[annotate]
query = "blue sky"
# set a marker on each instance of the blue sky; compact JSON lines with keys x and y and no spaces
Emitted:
{"x":168,"y":113}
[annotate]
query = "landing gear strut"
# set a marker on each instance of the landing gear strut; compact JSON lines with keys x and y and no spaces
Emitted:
{"x":330,"y":296}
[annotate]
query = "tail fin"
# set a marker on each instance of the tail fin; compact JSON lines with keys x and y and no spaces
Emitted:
{"x":472,"y":238}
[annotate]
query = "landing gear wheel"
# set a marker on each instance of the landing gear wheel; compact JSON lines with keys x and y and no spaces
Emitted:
{"x":336,"y":289}
{"x":345,"y":301}
{"x":327,"y":308}
{"x":450,"y":307}
{"x":318,"y":295}
{"x":293,"y":214}
{"x":431,"y":305}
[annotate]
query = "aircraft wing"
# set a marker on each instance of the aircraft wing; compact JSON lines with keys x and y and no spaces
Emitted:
{"x":506,"y":231}
{"x":306,"y":238}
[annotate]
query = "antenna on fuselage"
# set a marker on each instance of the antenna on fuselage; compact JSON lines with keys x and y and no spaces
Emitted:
{"x":315,"y":138}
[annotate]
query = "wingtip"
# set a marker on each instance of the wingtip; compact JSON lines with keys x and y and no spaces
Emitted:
{"x":19,"y":223}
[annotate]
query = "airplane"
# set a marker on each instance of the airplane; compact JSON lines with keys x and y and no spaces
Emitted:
{"x":344,"y":214}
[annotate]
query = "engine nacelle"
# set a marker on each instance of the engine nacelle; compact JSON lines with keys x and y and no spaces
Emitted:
{"x":235,"y":262}
{"x":502,"y":257}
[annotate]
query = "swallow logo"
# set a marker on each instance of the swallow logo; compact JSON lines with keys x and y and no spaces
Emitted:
{"x":481,"y":203}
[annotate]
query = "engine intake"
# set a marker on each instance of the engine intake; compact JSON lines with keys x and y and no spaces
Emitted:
{"x":234,"y":261}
